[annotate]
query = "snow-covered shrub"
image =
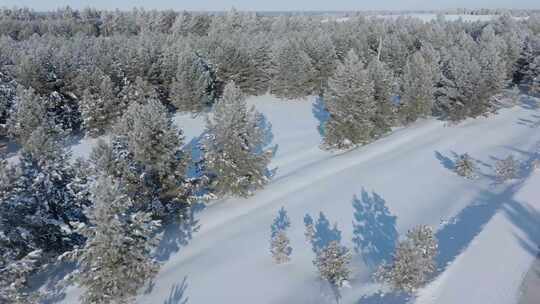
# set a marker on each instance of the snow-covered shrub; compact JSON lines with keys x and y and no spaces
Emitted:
{"x":507,"y":168}
{"x":465,"y":166}
{"x":413,"y":262}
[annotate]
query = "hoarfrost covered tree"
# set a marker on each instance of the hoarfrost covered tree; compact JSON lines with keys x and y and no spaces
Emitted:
{"x":99,"y":107}
{"x":465,"y":166}
{"x":413,"y":262}
{"x":115,"y":261}
{"x":27,"y":114}
{"x":320,"y":49}
{"x":8,"y":90}
{"x":460,"y":95}
{"x":417,"y":88}
{"x":349,"y":100}
{"x":492,"y":63}
{"x":507,"y":168}
{"x":14,"y":279}
{"x":332,"y":263}
{"x":292,"y":70}
{"x":382,"y":79}
{"x":279,"y":242}
{"x":42,"y":198}
{"x":146,"y":154}
{"x":194,"y":86}
{"x":235,"y":160}
{"x":527,"y":67}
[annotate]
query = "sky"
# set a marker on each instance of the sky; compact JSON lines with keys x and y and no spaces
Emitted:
{"x":279,"y":5}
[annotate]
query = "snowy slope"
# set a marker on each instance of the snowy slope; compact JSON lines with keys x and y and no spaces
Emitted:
{"x":228,"y":260}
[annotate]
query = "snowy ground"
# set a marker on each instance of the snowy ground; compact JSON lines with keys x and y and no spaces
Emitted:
{"x":487,"y":231}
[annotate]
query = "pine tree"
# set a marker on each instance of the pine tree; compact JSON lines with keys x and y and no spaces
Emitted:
{"x":233,"y":145}
{"x":332,"y":263}
{"x":28,"y":113}
{"x":146,"y":154}
{"x":460,"y":95}
{"x":417,"y":90}
{"x":99,"y":107}
{"x":42,"y":198}
{"x":507,"y":168}
{"x":382,"y":80}
{"x":292,"y":70}
{"x":115,"y":261}
{"x":194,"y":87}
{"x":465,"y":166}
{"x":320,"y":49}
{"x":492,"y":63}
{"x":349,"y":100}
{"x":8,"y":90}
{"x":279,"y":242}
{"x":413,"y":262}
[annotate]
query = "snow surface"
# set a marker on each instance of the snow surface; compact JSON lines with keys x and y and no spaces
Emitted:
{"x":486,"y":230}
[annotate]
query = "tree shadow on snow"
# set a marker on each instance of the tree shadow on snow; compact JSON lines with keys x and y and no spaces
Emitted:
{"x":177,"y":293}
{"x":324,"y":233}
{"x":457,"y":233}
{"x":178,"y":233}
{"x":321,"y":113}
{"x":446,"y":161}
{"x":374,"y":229}
{"x":266,"y":144}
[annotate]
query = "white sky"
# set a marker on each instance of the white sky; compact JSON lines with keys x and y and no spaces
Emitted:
{"x":274,"y":4}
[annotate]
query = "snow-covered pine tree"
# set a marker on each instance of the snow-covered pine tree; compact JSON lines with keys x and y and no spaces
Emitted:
{"x":235,"y":161}
{"x":27,"y":114}
{"x":459,"y":95}
{"x":8,"y":90}
{"x":146,"y":154}
{"x":417,"y":89}
{"x":413,"y":262}
{"x":332,"y":263}
{"x":350,"y":102}
{"x":432,"y":59}
{"x":258,"y":49}
{"x":138,"y":91}
{"x":99,"y":107}
{"x":232,"y":59}
{"x":527,"y":66}
{"x":280,"y":248}
{"x":279,"y":242}
{"x":292,"y":70}
{"x":194,"y":87}
{"x":492,"y":63}
{"x":506,"y":169}
{"x":320,"y":49}
{"x":115,"y":262}
{"x":465,"y":166}
{"x":382,"y":79}
{"x":14,"y":279}
{"x":42,"y":199}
